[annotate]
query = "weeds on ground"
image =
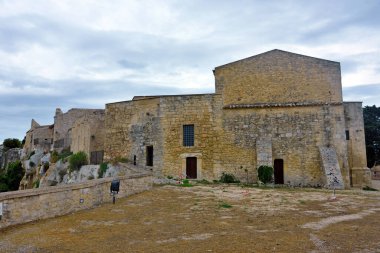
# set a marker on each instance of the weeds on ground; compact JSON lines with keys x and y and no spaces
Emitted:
{"x":224,"y":205}
{"x":186,"y":183}
{"x":367,"y":188}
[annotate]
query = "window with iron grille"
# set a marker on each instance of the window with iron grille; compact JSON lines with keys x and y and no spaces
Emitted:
{"x":188,"y":135}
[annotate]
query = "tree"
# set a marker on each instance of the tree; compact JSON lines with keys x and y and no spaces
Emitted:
{"x":15,"y":173}
{"x":10,"y":180}
{"x":371,"y":116}
{"x":11,"y":143}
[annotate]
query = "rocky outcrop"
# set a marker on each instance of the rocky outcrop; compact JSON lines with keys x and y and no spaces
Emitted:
{"x":54,"y":175}
{"x":10,"y":156}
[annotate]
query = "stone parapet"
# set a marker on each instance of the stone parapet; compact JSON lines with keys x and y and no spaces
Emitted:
{"x":29,"y":205}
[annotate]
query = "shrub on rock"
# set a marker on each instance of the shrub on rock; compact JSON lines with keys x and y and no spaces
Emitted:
{"x":77,"y":160}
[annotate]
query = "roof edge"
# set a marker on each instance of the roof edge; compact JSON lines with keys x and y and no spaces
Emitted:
{"x":274,"y":50}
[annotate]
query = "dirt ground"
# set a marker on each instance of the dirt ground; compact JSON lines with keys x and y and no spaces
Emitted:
{"x":211,"y":218}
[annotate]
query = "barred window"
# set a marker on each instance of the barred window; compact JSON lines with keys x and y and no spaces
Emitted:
{"x":188,"y":135}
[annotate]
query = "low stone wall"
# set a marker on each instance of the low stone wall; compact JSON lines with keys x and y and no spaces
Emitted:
{"x":29,"y":205}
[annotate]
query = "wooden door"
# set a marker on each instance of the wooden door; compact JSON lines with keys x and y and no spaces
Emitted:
{"x":191,"y":167}
{"x":279,"y":171}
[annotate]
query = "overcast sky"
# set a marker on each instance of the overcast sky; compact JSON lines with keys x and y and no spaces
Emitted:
{"x":85,"y":53}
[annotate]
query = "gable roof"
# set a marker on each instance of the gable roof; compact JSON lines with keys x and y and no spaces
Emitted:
{"x":275,"y":51}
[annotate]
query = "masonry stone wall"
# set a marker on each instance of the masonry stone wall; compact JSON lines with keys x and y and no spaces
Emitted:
{"x":279,"y":77}
{"x":295,"y":135}
{"x":87,"y":133}
{"x":132,"y":126}
{"x":197,"y":110}
{"x":356,"y":144}
{"x":276,"y":105}
{"x":29,"y":205}
{"x":63,"y":123}
{"x":38,"y":137}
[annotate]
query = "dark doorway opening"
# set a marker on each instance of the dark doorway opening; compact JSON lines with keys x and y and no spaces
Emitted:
{"x":279,"y":171}
{"x":191,"y":167}
{"x":149,"y":155}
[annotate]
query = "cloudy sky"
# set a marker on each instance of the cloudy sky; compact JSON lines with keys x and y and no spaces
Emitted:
{"x":85,"y":53}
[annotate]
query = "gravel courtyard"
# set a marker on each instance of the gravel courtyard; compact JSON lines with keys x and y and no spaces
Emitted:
{"x":211,"y":218}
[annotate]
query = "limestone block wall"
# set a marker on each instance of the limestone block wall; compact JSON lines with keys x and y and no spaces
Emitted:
{"x":296,"y":133}
{"x":39,"y":137}
{"x":130,"y":127}
{"x":200,"y":111}
{"x":63,"y":123}
{"x":357,"y":158}
{"x":279,"y":77}
{"x":88,"y":133}
{"x":29,"y":205}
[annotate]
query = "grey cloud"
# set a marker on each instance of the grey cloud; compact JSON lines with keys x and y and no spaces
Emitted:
{"x":229,"y":30}
{"x":369,"y":94}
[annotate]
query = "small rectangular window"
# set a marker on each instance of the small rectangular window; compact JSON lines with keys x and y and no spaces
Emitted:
{"x":347,"y":135}
{"x":188,"y":135}
{"x":149,"y":155}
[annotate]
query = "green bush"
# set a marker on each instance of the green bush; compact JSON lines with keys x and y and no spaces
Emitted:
{"x":265,"y":173}
{"x":228,"y":178}
{"x":64,"y":154}
{"x":54,"y":157}
{"x":77,"y":160}
{"x":36,"y":184}
{"x":102,"y":169}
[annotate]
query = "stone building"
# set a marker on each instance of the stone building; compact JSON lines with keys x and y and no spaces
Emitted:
{"x":88,"y":136}
{"x":276,"y":108}
{"x":38,"y":138}
{"x":63,"y":124}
